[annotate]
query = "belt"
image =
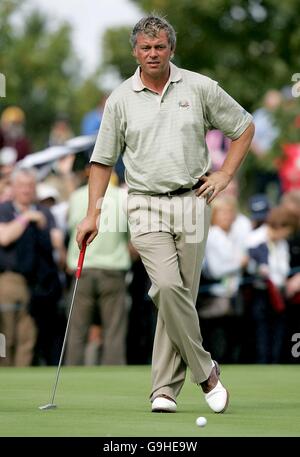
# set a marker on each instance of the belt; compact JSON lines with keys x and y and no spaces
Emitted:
{"x":181,"y":190}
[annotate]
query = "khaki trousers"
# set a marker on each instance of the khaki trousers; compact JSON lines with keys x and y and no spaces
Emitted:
{"x":15,"y":322}
{"x":170,"y":235}
{"x":105,"y":289}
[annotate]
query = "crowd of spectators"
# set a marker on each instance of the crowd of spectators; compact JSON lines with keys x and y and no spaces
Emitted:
{"x":249,"y":295}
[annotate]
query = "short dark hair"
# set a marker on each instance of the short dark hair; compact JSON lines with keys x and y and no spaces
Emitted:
{"x":279,"y":216}
{"x":151,"y":25}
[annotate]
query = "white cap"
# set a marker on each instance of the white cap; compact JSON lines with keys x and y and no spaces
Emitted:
{"x":44,"y":191}
{"x":8,"y":155}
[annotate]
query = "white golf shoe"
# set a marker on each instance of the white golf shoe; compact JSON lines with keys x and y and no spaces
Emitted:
{"x":163,"y":404}
{"x":217,"y":399}
{"x":215,"y":394}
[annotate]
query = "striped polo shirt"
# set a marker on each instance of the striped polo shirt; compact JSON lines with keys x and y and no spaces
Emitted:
{"x":162,"y":137}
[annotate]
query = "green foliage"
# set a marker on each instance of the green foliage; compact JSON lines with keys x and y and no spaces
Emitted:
{"x":40,"y":67}
{"x":287,"y":117}
{"x":117,"y":51}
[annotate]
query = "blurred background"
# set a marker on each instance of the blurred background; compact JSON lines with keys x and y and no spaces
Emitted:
{"x":62,"y":57}
{"x":60,"y":61}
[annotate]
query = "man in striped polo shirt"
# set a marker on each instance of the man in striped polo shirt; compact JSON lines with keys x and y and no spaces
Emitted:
{"x":157,"y":120}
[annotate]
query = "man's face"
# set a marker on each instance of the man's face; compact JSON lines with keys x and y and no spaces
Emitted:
{"x":153,"y":54}
{"x":24,"y":189}
{"x":224,"y":217}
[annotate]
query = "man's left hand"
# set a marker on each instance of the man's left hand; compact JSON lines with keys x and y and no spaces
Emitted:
{"x":213,"y":185}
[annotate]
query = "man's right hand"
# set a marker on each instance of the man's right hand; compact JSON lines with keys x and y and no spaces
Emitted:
{"x":35,"y":216}
{"x":87,"y":229}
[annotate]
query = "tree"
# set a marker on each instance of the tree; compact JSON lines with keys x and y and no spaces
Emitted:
{"x":40,"y":66}
{"x":117,"y":51}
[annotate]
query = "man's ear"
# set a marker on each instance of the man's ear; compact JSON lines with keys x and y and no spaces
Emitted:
{"x":172,"y":53}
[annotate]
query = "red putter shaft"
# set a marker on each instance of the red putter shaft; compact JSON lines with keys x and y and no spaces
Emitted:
{"x":81,"y":259}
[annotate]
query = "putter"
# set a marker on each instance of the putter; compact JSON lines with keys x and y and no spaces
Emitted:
{"x":52,"y":405}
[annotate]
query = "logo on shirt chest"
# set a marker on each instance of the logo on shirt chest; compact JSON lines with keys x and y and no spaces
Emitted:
{"x":184,"y":104}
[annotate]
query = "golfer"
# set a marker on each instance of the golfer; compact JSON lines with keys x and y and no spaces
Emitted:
{"x":157,"y":120}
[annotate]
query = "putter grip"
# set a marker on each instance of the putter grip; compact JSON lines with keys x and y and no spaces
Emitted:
{"x":81,"y":259}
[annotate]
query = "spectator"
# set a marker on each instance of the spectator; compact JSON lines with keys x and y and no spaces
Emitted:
{"x":28,"y":276}
{"x":259,"y":207}
{"x":218,"y":145}
{"x":92,"y":120}
{"x":8,"y":157}
{"x":62,"y":177}
{"x":266,"y":132}
{"x":270,"y":266}
{"x":291,"y":201}
{"x":61,"y":131}
{"x":102,"y":282}
{"x":49,"y":196}
{"x":241,"y":225}
{"x":90,"y":126}
{"x":12,"y":131}
{"x":142,"y":316}
{"x":224,"y":260}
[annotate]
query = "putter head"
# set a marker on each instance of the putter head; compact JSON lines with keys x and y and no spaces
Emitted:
{"x":49,"y":406}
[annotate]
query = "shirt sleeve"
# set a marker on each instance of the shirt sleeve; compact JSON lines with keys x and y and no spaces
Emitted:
{"x":110,"y":140}
{"x":224,"y":113}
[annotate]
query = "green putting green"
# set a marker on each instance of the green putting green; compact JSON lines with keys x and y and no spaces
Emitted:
{"x":113,"y":401}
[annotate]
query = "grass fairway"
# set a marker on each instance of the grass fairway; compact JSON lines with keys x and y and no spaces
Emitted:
{"x":113,"y":401}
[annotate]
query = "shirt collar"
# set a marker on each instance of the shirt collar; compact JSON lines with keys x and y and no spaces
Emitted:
{"x":138,"y":85}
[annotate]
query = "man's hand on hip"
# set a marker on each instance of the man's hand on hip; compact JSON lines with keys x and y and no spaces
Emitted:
{"x":213,"y":185}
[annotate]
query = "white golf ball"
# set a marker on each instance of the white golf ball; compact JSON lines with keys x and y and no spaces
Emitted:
{"x":201,"y":421}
